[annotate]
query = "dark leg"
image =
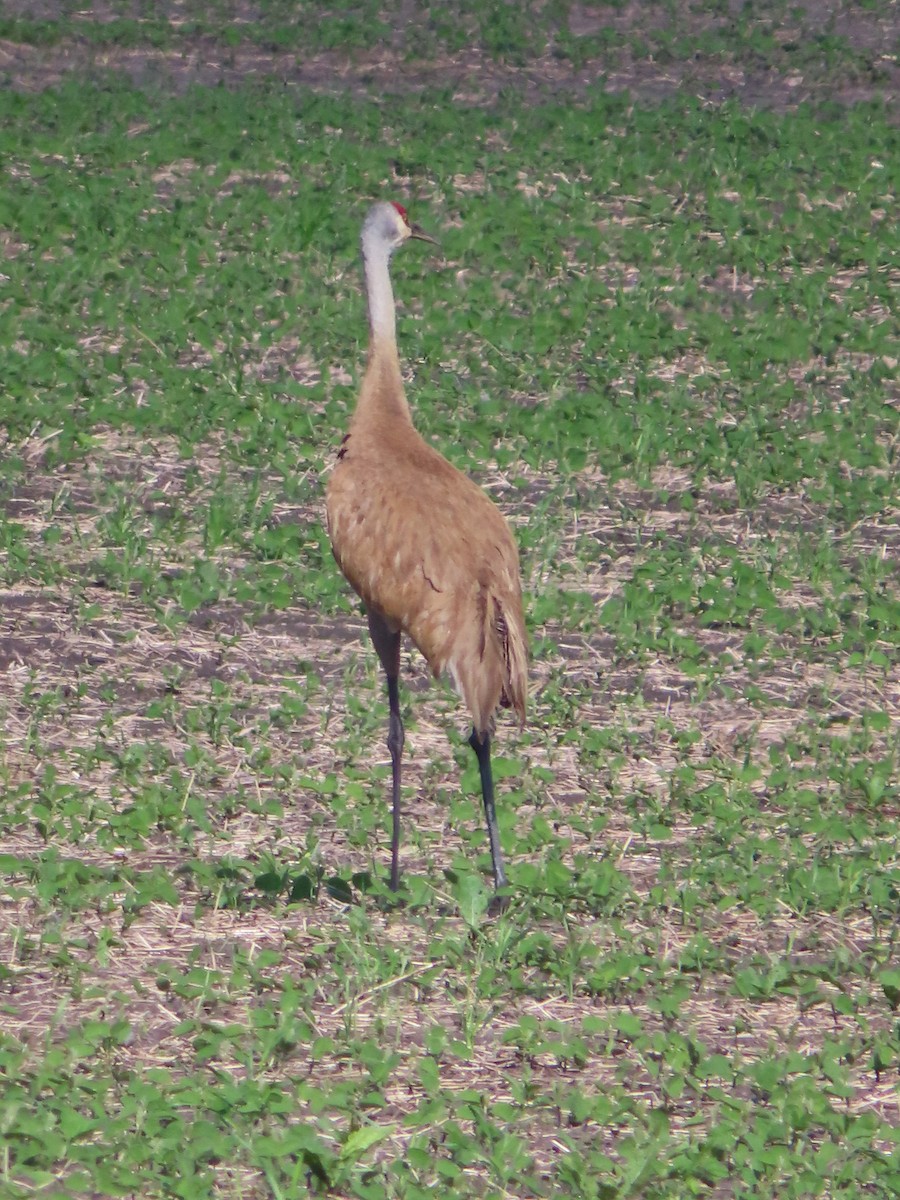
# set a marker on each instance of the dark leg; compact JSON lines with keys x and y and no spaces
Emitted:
{"x":395,"y":745}
{"x":482,"y":748}
{"x":387,"y":643}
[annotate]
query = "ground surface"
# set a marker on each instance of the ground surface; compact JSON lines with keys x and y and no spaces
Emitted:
{"x":723,"y":50}
{"x":205,"y":989}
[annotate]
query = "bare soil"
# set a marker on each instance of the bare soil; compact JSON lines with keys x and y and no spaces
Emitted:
{"x":106,"y":669}
{"x":751,"y":73}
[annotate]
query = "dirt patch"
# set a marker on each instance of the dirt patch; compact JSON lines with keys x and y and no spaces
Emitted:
{"x":826,"y":52}
{"x":118,"y":700}
{"x":113,"y":662}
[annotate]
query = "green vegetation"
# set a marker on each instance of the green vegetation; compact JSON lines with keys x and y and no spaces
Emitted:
{"x":664,"y":338}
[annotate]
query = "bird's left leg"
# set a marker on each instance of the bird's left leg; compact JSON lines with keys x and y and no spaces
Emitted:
{"x":482,"y":747}
{"x":387,"y":643}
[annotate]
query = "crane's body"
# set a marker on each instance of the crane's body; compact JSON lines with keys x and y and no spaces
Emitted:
{"x":423,"y":546}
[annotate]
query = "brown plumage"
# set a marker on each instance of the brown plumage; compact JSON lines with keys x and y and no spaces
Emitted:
{"x":427,"y":551}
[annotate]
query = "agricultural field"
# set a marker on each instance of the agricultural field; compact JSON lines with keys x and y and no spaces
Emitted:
{"x":661,"y":331}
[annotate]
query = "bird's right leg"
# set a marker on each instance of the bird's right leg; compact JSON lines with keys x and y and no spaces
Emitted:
{"x":481,"y":744}
{"x":387,"y":643}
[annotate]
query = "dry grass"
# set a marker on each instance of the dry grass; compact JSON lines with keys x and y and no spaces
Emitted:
{"x":107,"y":670}
{"x":115,"y":692}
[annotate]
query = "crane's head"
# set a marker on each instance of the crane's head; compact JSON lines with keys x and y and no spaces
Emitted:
{"x":388,"y":226}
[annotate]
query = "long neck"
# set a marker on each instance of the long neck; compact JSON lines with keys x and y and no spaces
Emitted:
{"x":379,"y":293}
{"x":382,"y":388}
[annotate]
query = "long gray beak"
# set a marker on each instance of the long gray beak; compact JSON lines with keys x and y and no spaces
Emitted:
{"x":417,"y":231}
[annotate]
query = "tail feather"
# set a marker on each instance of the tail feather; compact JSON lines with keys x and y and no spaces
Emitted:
{"x":486,"y":657}
{"x":510,"y":632}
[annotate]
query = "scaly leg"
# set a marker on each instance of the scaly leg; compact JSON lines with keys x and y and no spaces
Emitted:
{"x":395,"y":745}
{"x":387,"y":644}
{"x":482,"y":748}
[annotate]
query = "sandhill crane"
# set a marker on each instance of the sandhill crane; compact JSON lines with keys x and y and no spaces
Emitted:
{"x":423,"y":546}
